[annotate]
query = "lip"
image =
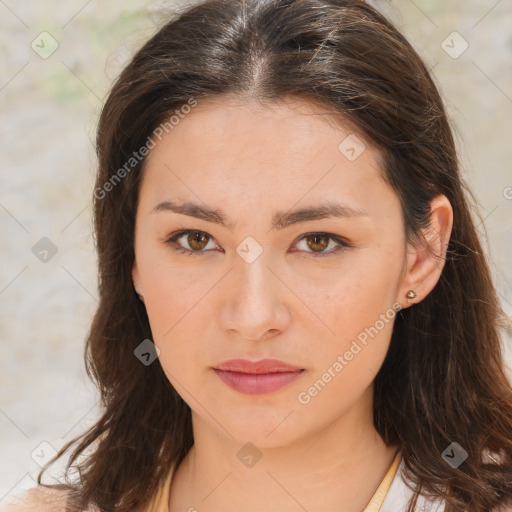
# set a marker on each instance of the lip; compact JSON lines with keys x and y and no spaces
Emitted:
{"x":257,"y":367}
{"x":257,"y":377}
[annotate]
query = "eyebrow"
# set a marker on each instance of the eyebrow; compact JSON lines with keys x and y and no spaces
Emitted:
{"x":280,"y":219}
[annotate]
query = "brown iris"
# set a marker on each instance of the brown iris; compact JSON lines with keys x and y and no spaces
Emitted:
{"x":197,"y":240}
{"x":320,"y":242}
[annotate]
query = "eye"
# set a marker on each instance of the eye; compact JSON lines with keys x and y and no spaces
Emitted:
{"x":198,"y":242}
{"x":318,"y":242}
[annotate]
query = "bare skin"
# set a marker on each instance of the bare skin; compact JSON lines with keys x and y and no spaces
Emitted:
{"x":320,"y":453}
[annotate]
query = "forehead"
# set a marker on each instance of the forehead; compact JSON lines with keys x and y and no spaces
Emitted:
{"x":295,"y":123}
{"x":240,"y":150}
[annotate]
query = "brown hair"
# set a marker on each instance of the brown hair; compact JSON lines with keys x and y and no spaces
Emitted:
{"x":442,"y":380}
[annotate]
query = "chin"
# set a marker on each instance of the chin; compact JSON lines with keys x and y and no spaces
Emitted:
{"x":266,"y":429}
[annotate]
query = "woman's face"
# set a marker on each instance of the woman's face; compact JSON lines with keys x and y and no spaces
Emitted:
{"x":268,"y":271}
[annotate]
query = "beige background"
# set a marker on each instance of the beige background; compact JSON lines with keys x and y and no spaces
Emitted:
{"x":49,"y":108}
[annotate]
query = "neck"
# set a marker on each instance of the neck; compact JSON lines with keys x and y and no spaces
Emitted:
{"x":337,"y":469}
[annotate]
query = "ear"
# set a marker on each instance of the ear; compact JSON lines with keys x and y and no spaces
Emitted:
{"x":425,"y":258}
{"x":136,"y":281}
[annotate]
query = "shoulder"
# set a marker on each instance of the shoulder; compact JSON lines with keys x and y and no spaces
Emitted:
{"x":399,"y":496}
{"x":39,"y":499}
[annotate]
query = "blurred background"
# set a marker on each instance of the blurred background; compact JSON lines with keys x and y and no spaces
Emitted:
{"x":58,"y":62}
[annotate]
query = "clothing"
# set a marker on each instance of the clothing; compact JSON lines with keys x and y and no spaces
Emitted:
{"x":392,"y":495}
{"x":390,"y":482}
{"x":379,"y":496}
{"x":398,"y":496}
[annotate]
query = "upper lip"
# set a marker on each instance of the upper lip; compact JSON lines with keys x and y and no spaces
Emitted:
{"x":261,"y":366}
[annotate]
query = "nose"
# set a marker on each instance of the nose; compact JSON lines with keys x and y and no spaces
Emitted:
{"x":255,"y":302}
{"x":258,"y":338}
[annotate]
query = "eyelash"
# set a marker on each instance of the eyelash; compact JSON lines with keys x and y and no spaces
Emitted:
{"x":172,"y":241}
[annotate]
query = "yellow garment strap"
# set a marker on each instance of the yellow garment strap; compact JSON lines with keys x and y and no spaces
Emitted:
{"x":161,"y":500}
{"x":380,"y":494}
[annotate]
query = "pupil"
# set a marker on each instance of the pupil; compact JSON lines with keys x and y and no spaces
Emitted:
{"x":195,"y":238}
{"x":320,"y":246}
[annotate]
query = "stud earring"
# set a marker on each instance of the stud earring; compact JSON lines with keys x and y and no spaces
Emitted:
{"x":411,"y":294}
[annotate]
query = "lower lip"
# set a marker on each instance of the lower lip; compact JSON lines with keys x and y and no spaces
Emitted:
{"x":257,"y":384}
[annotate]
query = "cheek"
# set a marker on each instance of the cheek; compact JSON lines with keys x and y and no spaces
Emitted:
{"x":358,"y":337}
{"x":345,"y":363}
{"x":354,"y":313}
{"x":351,"y":295}
{"x":176,"y":309}
{"x":173,"y":290}
{"x":177,"y":300}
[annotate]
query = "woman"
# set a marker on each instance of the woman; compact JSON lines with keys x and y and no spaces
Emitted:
{"x":295,"y":308}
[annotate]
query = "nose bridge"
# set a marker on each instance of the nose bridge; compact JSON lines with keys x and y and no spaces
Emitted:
{"x":254,"y":280}
{"x":254,"y":305}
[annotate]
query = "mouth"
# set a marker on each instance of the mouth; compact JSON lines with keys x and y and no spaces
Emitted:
{"x":257,"y":378}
